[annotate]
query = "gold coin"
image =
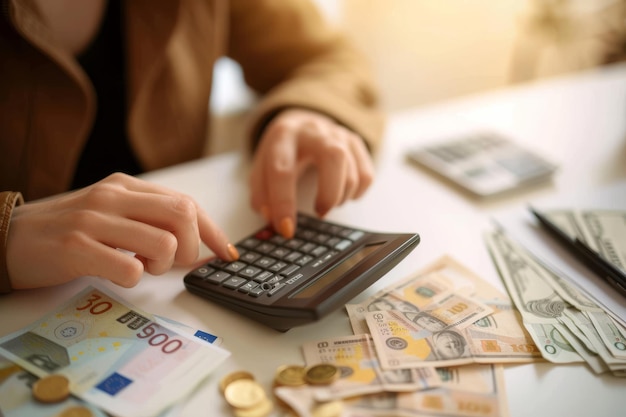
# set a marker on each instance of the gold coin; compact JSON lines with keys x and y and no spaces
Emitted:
{"x":328,"y":409}
{"x":244,"y":393}
{"x":8,"y":371}
{"x":77,"y":411}
{"x":290,"y":375}
{"x":234,"y":376}
{"x":262,"y":409}
{"x":322,"y":374}
{"x":51,"y":389}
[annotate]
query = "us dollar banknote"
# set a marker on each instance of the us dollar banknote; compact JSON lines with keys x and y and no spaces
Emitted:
{"x":565,"y":324}
{"x":360,"y":370}
{"x":466,"y":391}
{"x":498,"y":336}
{"x":539,"y":304}
{"x":602,"y":230}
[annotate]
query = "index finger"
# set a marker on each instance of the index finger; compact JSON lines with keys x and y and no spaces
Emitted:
{"x":209,"y":232}
{"x":279,"y":166}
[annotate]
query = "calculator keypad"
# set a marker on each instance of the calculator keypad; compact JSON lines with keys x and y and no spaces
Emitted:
{"x":268,"y":262}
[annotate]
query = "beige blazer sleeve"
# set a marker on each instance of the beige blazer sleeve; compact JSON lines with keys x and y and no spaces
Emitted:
{"x":294,"y":58}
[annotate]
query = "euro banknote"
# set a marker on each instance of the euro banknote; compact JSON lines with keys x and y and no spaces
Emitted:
{"x":116,"y":356}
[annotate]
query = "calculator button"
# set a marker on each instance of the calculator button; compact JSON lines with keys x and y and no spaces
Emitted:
{"x":218,"y":263}
{"x":319,"y":251}
{"x":294,"y":243}
{"x":256,"y":291}
{"x":289,"y":270}
{"x":332,"y":241}
{"x":333,"y":229}
{"x":323,"y":259}
{"x":346,"y":232}
{"x":321,"y":237}
{"x":278,"y":239}
{"x":250,"y":243}
{"x":249,"y":271}
{"x":248,"y":286}
{"x":235,"y":266}
{"x":279,"y":252}
{"x":265,"y":247}
{"x":202,"y":272}
{"x":356,"y":235}
{"x":234,"y":282}
{"x":307,"y":247}
{"x":263,"y":276}
{"x":304,"y":260}
{"x":306,"y":234}
{"x":265,"y":262}
{"x":217,"y":277}
{"x":277,"y":266}
{"x":249,"y":257}
{"x":292,"y":256}
{"x":342,"y":245}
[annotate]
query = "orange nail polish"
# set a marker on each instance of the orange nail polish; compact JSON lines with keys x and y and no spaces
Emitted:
{"x":233,"y":252}
{"x":286,"y":227}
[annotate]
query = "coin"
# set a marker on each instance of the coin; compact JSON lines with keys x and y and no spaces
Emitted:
{"x":262,"y":409}
{"x":234,"y":376}
{"x":322,"y":374}
{"x":77,"y":411}
{"x":328,"y":409}
{"x":51,"y":389}
{"x":290,"y":375}
{"x":244,"y":393}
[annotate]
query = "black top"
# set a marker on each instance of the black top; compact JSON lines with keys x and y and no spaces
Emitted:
{"x":108,"y":149}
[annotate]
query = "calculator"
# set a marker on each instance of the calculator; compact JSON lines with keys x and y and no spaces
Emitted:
{"x":484,"y":163}
{"x":284,"y":283}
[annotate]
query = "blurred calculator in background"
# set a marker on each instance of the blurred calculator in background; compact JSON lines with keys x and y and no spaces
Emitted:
{"x":484,"y":163}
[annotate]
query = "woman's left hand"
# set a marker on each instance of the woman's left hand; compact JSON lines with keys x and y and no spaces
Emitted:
{"x":293,"y":141}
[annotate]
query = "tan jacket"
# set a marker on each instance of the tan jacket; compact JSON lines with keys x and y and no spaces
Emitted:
{"x":287,"y":54}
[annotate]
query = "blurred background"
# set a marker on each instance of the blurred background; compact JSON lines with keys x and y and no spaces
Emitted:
{"x":424,"y":51}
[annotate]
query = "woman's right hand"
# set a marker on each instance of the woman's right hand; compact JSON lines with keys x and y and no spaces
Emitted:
{"x":56,"y":240}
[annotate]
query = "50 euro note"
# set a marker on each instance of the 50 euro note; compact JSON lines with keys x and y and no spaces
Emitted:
{"x":466,"y":391}
{"x":117,"y":357}
{"x":360,"y":371}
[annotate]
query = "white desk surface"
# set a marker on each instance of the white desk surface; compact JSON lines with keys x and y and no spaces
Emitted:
{"x":577,"y":121}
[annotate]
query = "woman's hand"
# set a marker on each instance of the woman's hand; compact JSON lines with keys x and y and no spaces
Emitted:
{"x":77,"y":234}
{"x":297,"y":139}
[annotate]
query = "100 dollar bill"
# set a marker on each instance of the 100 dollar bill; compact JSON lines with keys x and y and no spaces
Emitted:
{"x":466,"y":391}
{"x":360,"y":370}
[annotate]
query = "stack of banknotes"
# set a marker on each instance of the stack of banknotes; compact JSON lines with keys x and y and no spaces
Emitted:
{"x":118,"y":359}
{"x":566,"y":325}
{"x":431,"y":344}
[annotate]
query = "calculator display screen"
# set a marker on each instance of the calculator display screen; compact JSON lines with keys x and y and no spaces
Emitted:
{"x":330,"y":276}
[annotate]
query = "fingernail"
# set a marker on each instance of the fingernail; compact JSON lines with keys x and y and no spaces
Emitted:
{"x":233,"y":252}
{"x":286,"y":227}
{"x":265,"y":212}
